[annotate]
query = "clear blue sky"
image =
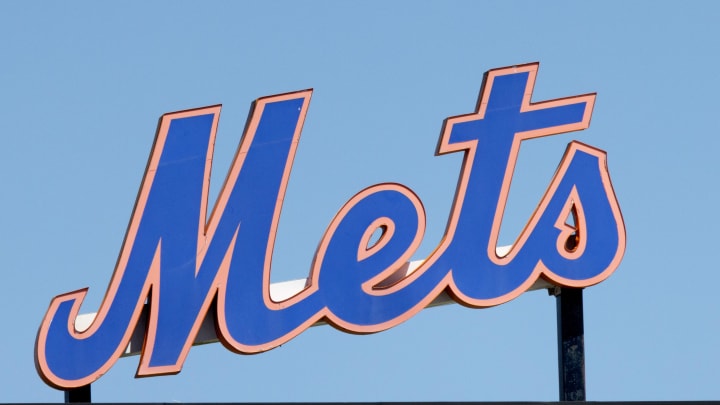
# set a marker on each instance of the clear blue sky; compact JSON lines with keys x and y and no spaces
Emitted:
{"x":82,"y":86}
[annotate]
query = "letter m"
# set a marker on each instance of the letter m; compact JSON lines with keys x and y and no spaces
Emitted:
{"x":174,"y":259}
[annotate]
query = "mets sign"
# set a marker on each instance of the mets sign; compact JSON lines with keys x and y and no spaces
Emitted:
{"x":182,"y":266}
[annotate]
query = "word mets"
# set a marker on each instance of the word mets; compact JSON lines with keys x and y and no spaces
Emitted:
{"x":182,"y":265}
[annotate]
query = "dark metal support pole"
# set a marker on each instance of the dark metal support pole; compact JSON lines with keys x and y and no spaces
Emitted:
{"x":78,"y":395}
{"x":571,"y":343}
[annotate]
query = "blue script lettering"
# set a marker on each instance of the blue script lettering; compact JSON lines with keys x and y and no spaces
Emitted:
{"x":180,"y":264}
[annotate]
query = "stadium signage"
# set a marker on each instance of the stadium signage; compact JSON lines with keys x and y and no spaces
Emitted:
{"x":182,"y":266}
